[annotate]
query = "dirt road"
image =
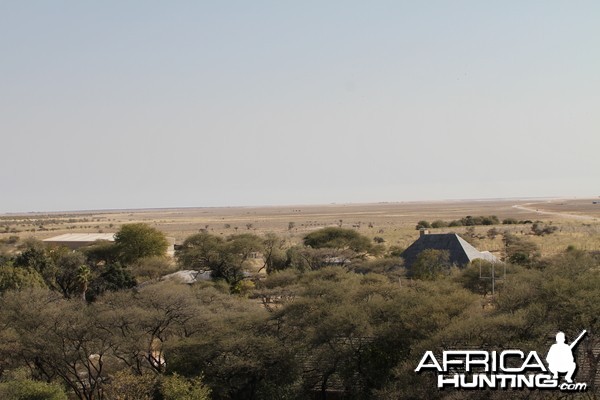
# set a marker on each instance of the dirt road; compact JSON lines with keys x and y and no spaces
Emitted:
{"x":537,"y":210}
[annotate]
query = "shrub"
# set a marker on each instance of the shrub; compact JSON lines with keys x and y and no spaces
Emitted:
{"x":520,"y":251}
{"x":430,"y":264}
{"x":176,"y":387}
{"x":439,"y":224}
{"x":492,"y":233}
{"x":539,"y":229}
{"x":27,"y":389}
{"x":423,"y":225}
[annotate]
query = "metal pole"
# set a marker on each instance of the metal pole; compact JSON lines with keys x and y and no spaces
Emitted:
{"x":493,"y":280}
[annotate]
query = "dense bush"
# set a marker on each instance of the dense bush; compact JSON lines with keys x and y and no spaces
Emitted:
{"x":466,"y":221}
{"x":423,"y":225}
{"x":338,"y":238}
{"x":325,"y":321}
{"x":540,"y":229}
{"x":439,"y":224}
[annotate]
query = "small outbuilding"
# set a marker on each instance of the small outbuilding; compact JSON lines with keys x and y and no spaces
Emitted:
{"x":76,"y":240}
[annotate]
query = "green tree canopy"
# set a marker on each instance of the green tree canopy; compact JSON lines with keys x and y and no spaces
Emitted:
{"x":199,"y":251}
{"x":71,"y":272}
{"x":338,"y":238}
{"x":423,"y":224}
{"x":111,"y":277}
{"x":139,"y":240}
{"x":176,"y":387}
{"x":35,"y":255}
{"x":102,"y":251}
{"x":27,"y":389}
{"x":225,"y":258}
{"x":430,"y":264}
{"x":16,"y":278}
{"x":520,"y":250}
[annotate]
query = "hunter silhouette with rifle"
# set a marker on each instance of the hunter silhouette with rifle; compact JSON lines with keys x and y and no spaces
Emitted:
{"x":560,"y":357}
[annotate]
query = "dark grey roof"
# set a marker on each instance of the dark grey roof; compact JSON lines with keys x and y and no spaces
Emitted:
{"x":460,"y":251}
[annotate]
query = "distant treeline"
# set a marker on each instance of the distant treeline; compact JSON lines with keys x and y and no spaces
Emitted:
{"x":470,"y":221}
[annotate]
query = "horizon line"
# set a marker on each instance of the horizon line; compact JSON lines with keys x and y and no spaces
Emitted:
{"x":138,"y":209}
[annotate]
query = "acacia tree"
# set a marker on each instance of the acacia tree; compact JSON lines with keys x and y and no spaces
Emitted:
{"x":564,"y":296}
{"x":136,"y":241}
{"x":328,"y":326}
{"x":274,"y":253}
{"x":35,"y":255}
{"x":430,"y":264}
{"x":305,"y":258}
{"x":139,"y":323}
{"x":71,"y":273}
{"x":16,"y":278}
{"x":85,"y":344}
{"x":61,"y":269}
{"x":225,"y":258}
{"x":27,"y":389}
{"x":58,"y":339}
{"x":101,"y":252}
{"x":236,"y":348}
{"x":199,"y":251}
{"x":520,"y":250}
{"x":332,"y":246}
{"x":340,"y":239}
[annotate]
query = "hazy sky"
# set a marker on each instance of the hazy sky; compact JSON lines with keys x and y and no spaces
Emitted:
{"x":130,"y":104}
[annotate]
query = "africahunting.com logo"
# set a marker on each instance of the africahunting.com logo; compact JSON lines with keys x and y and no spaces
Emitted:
{"x":508,"y":369}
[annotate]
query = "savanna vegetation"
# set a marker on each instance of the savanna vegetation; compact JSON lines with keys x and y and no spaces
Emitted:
{"x":333,"y":316}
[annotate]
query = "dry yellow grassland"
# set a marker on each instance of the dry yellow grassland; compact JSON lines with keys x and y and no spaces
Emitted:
{"x":578,"y":221}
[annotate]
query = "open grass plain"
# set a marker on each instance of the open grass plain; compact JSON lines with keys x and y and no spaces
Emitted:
{"x":577,"y":219}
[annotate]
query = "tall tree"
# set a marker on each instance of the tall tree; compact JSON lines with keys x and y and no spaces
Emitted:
{"x":135,"y":241}
{"x":226,"y":259}
{"x":338,"y":238}
{"x":70,"y":272}
{"x":430,"y":264}
{"x":17,"y":278}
